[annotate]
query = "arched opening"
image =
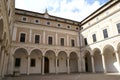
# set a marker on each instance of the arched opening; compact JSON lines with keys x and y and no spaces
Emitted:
{"x":97,"y":60}
{"x":46,"y":69}
{"x":118,"y":51}
{"x":51,"y":57}
{"x":73,"y":62}
{"x":88,"y":63}
{"x":35,"y":61}
{"x":20,"y":60}
{"x":110,"y":59}
{"x":1,"y":28}
{"x":62,"y":62}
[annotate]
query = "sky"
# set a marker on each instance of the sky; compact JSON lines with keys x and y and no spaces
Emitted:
{"x":71,"y":9}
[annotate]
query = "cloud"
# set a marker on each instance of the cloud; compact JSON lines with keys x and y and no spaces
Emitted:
{"x":70,"y":9}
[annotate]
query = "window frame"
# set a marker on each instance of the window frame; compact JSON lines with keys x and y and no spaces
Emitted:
{"x":118,"y":29}
{"x":72,"y":43}
{"x":32,"y":64}
{"x":20,"y":36}
{"x":48,"y":39}
{"x":94,"y":37}
{"x":63,"y":40}
{"x":16,"y":64}
{"x":39,"y":38}
{"x":105,"y":35}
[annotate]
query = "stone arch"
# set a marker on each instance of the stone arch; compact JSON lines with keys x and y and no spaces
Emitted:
{"x":35,"y":61}
{"x":49,"y":61}
{"x":87,"y":60}
{"x":73,"y":62}
{"x":20,"y":60}
{"x":110,"y":58}
{"x":97,"y":60}
{"x":62,"y":62}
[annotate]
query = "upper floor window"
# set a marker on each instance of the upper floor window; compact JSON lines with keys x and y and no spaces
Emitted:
{"x":85,"y":41}
{"x":62,"y":41}
{"x":48,"y":23}
{"x":36,"y":21}
{"x":73,"y":43}
{"x":17,"y":62}
{"x":94,"y":37}
{"x":37,"y":38}
{"x":32,"y":63}
{"x":59,"y":25}
{"x":22,"y":37}
{"x":118,"y":27}
{"x":105,"y":33}
{"x":50,"y":40}
{"x":24,"y":19}
{"x":68,"y":27}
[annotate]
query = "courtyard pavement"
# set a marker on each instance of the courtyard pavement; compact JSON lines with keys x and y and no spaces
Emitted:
{"x":73,"y":76}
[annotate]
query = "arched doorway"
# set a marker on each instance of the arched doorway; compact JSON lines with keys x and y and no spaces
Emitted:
{"x":88,"y":63}
{"x":46,"y":69}
{"x":110,"y":59}
{"x":35,"y":61}
{"x":51,"y":59}
{"x":97,"y":60}
{"x":73,"y":62}
{"x":20,"y":60}
{"x":62,"y":62}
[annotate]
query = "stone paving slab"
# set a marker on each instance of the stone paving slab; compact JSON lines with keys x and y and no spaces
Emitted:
{"x":78,"y":76}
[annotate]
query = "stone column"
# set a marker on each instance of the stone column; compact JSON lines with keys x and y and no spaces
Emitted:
{"x":56,"y":64}
{"x":104,"y":65}
{"x":68,"y":65}
{"x":1,"y":61}
{"x":43,"y":37}
{"x":56,"y":35}
{"x":118,"y":60}
{"x":28,"y":65}
{"x":43,"y":65}
{"x":79,"y":66}
{"x":3,"y":65}
{"x":93,"y":65}
{"x":67,"y":40}
{"x":30,"y":37}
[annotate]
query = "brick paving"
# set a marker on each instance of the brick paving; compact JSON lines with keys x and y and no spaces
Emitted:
{"x":75,"y":76}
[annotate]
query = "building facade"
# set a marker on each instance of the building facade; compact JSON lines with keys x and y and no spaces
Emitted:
{"x":100,"y":34}
{"x":6,"y":25}
{"x":39,"y":43}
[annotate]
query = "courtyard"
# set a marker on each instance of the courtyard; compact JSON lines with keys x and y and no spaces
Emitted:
{"x":73,"y":76}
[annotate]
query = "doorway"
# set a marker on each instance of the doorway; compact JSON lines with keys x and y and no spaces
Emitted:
{"x":46,"y":69}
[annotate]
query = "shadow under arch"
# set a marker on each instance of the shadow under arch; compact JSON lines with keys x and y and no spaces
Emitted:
{"x":73,"y":62}
{"x":110,"y":59}
{"x":87,"y":60}
{"x":49,"y":64}
{"x":62,"y":62}
{"x":97,"y":60}
{"x":20,"y":60}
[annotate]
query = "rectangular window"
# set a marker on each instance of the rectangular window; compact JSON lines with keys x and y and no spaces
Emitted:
{"x":94,"y":37}
{"x":17,"y":62}
{"x":37,"y":38}
{"x":118,"y":27}
{"x":22,"y":37}
{"x":73,"y":43}
{"x":32,"y":63}
{"x":105,"y":33}
{"x":62,"y":41}
{"x":85,"y":40}
{"x":50,"y":40}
